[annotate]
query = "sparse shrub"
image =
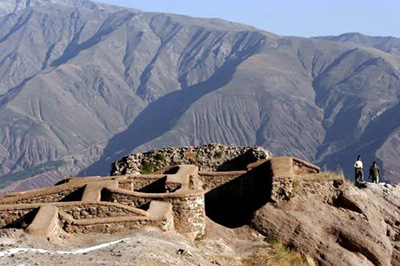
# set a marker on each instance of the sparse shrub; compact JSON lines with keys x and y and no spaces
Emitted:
{"x":272,"y":240}
{"x":160,"y":157}
{"x":148,"y":167}
{"x":218,"y":154}
{"x":277,"y":254}
{"x":323,"y":176}
{"x":296,"y":185}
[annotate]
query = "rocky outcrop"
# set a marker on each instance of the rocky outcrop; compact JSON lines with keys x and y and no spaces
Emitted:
{"x":212,"y":157}
{"x":336,"y":223}
{"x":319,"y":214}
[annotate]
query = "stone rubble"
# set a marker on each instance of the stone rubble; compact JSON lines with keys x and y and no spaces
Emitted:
{"x":211,"y":157}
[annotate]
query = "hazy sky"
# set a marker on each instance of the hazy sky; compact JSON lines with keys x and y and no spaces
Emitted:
{"x":289,"y":17}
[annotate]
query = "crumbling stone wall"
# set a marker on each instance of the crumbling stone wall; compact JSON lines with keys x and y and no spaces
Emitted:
{"x":159,"y":215}
{"x":189,"y":210}
{"x":190,"y":215}
{"x":179,"y":193}
{"x":212,"y":157}
{"x":19,"y":218}
{"x":211,"y":180}
{"x":282,"y":189}
{"x":109,"y":227}
{"x":45,"y":197}
{"x":89,"y":211}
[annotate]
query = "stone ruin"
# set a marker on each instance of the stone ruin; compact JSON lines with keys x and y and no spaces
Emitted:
{"x":174,"y":198}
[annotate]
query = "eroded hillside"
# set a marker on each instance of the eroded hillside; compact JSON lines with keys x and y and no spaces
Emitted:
{"x":83,"y":84}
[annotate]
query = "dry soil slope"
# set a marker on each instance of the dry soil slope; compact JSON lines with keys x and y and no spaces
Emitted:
{"x":309,"y":98}
{"x":72,"y":76}
{"x":83,"y":84}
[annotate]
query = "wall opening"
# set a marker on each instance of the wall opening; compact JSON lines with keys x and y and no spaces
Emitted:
{"x":76,"y":195}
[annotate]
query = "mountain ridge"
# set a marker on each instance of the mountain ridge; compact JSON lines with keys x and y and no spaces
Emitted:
{"x":86,"y":87}
{"x":387,"y":44}
{"x":11,"y":6}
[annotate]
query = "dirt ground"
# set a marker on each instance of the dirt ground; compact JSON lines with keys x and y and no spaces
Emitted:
{"x":149,"y":246}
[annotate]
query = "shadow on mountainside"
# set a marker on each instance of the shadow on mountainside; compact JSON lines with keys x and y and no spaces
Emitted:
{"x":161,"y":115}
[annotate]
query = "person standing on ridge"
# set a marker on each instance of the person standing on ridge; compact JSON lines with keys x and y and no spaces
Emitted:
{"x":374,"y":172}
{"x":358,"y":166}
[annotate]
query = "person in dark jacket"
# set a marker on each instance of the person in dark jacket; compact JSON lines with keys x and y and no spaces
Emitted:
{"x":374,"y":172}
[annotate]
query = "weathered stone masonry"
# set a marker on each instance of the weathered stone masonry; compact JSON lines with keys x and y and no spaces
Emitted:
{"x":172,"y":199}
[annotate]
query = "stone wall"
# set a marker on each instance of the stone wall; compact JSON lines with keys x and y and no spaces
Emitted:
{"x":109,"y":227}
{"x":97,"y":210}
{"x":282,"y":189}
{"x":189,"y":210}
{"x":212,"y":157}
{"x":17,"y":218}
{"x":190,"y":216}
{"x":174,"y":197}
{"x":159,"y":215}
{"x":51,"y":196}
{"x":211,"y":180}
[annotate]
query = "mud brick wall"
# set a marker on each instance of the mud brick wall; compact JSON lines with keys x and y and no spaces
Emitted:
{"x":54,"y":230}
{"x":17,"y":218}
{"x":96,"y":211}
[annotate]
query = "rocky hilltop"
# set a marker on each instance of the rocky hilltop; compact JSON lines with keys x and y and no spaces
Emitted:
{"x":83,"y":84}
{"x":271,"y":211}
{"x":336,"y":223}
{"x":211,"y":157}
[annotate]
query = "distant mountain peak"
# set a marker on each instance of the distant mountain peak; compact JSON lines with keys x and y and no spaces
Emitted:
{"x":387,"y":44}
{"x":9,"y":6}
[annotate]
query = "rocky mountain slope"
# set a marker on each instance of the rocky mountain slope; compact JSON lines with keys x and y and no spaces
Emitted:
{"x":387,"y":44}
{"x":83,"y":84}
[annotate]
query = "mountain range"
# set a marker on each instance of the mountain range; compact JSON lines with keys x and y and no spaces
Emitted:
{"x":83,"y":84}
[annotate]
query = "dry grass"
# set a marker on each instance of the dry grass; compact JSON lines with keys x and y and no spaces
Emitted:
{"x":277,"y":255}
{"x":323,"y":176}
{"x":190,"y":155}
